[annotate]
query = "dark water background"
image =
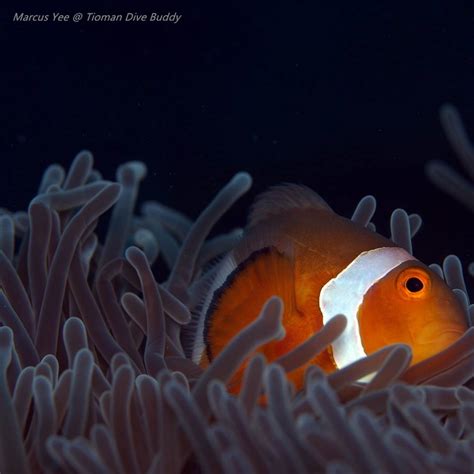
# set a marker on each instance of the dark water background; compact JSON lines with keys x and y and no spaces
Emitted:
{"x":341,"y":96}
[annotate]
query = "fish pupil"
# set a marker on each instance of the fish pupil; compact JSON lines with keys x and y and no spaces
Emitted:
{"x":414,"y":285}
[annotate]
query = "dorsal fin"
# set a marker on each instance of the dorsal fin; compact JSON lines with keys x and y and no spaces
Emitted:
{"x":282,"y":198}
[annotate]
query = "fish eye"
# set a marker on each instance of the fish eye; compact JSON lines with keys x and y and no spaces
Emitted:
{"x":413,"y":283}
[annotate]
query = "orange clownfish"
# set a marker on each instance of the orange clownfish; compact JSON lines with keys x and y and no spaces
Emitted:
{"x":321,"y":265}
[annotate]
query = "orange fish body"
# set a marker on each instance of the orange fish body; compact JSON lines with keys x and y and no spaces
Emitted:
{"x":321,"y":265}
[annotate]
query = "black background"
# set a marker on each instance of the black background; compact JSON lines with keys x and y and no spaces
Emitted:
{"x":341,"y":96}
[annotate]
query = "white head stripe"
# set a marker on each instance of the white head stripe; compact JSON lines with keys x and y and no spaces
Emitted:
{"x":344,"y":295}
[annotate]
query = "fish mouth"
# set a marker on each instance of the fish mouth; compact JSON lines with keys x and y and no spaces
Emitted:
{"x":438,"y":337}
{"x":432,"y":340}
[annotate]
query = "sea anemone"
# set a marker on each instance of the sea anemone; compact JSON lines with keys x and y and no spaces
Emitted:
{"x":94,"y":378}
{"x":445,"y":177}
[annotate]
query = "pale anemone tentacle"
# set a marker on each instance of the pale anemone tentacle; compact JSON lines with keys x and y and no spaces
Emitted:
{"x":446,"y":177}
{"x":129,"y":176}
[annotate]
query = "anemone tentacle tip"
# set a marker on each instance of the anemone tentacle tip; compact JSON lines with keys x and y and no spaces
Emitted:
{"x":243,"y":179}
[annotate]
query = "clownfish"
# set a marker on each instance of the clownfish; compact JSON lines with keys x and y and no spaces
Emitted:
{"x":321,"y":265}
